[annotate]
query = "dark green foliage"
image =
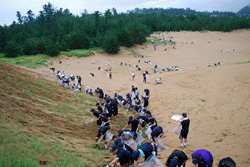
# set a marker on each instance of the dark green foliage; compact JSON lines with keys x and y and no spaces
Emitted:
{"x":55,"y":30}
{"x":79,"y":40}
{"x":110,"y":42}
{"x":12,"y":49}
{"x":51,"y":48}
{"x":30,"y":46}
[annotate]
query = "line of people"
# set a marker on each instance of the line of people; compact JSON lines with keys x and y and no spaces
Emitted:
{"x":126,"y":150}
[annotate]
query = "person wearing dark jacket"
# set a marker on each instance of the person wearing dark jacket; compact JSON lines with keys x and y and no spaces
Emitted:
{"x":177,"y":158}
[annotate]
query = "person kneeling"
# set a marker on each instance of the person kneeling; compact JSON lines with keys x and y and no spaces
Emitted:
{"x":144,"y":150}
{"x":123,"y":157}
{"x":158,"y":81}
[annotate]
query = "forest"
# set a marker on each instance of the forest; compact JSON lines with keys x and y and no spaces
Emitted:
{"x":55,"y":30}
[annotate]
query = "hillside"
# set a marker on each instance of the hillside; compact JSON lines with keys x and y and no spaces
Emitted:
{"x":43,"y":123}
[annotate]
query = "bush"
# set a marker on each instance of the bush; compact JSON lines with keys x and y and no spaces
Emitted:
{"x":125,"y":37}
{"x":79,"y":40}
{"x":30,"y":46}
{"x":51,"y":48}
{"x":110,"y":42}
{"x":12,"y":49}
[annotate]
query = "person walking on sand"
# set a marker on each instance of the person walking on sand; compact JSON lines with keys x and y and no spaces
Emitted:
{"x":185,"y":129}
{"x":144,"y":77}
{"x":108,"y":63}
{"x":110,"y":74}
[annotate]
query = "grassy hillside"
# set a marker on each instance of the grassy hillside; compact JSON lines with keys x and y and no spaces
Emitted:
{"x":42,"y":123}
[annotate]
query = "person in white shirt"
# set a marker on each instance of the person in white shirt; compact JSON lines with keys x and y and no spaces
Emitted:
{"x":158,"y":81}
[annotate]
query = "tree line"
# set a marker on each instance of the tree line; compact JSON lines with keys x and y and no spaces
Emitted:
{"x":54,"y":30}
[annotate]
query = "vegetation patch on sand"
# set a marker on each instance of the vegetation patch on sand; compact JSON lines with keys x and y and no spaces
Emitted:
{"x":78,"y":53}
{"x":134,"y":53}
{"x":149,"y":41}
{"x":28,"y":61}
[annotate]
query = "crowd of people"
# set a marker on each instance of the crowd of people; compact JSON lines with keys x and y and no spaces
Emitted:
{"x":128,"y":146}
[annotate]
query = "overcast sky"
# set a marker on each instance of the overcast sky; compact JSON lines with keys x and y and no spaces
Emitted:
{"x":8,"y":8}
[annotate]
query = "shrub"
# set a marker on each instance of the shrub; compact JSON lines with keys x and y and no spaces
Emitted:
{"x":110,"y":42}
{"x":12,"y":49}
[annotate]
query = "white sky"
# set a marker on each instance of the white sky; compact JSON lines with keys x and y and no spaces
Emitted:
{"x":8,"y":8}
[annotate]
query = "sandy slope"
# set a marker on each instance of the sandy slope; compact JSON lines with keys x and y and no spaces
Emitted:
{"x":216,"y":99}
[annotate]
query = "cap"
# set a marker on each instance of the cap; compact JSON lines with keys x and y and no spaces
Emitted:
{"x":114,"y":137}
{"x":136,"y":108}
{"x":135,"y":155}
{"x":149,"y":115}
{"x":108,"y":100}
{"x":102,"y":103}
{"x":97,"y":87}
{"x":120,"y":132}
{"x":130,"y":118}
{"x":184,"y":115}
{"x":120,"y":145}
{"x":196,"y":157}
{"x":97,"y":104}
{"x":92,"y":110}
{"x":144,"y":110}
{"x":173,"y":162}
{"x":103,"y":114}
{"x":113,"y":148}
{"x":132,"y":86}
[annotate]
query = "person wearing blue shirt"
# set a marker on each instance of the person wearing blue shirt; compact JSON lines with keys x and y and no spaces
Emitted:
{"x":227,"y":162}
{"x":105,"y":120}
{"x":136,"y":109}
{"x":144,"y":150}
{"x":143,"y":120}
{"x":102,"y":132}
{"x":134,"y":125}
{"x":117,"y":141}
{"x":97,"y":115}
{"x":157,"y":133}
{"x":99,"y":108}
{"x":100,"y":93}
{"x":202,"y":158}
{"x":114,"y":106}
{"x":152,"y":122}
{"x":123,"y":158}
{"x":125,"y":135}
{"x":147,"y":112}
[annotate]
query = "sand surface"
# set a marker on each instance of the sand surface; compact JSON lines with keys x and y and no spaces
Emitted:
{"x":216,"y":99}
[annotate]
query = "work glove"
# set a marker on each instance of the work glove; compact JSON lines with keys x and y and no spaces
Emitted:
{"x":154,"y":153}
{"x":92,"y":120}
{"x":108,"y":165}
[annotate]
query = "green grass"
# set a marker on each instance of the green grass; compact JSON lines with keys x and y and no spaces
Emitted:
{"x":97,"y":49}
{"x":149,"y":41}
{"x":78,"y":53}
{"x":243,"y":62}
{"x":27,"y":61}
{"x":18,"y":150}
{"x":134,"y":53}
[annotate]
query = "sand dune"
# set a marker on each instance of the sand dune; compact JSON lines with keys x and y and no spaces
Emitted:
{"x":216,"y":98}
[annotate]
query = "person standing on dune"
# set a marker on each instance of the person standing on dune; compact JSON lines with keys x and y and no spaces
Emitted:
{"x":144,"y":77}
{"x":110,"y":74}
